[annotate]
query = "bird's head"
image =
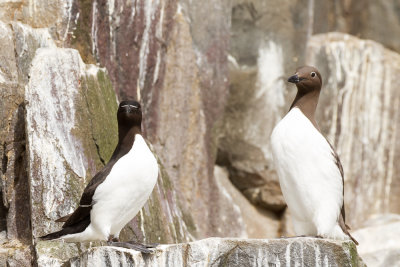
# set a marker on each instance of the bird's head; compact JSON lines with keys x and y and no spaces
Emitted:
{"x":307,"y":79}
{"x":129,"y":114}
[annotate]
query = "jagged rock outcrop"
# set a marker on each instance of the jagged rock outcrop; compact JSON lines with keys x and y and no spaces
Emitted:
{"x":230,"y":252}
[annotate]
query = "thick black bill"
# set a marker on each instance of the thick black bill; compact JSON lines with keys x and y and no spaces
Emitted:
{"x":294,"y":79}
{"x":128,"y":109}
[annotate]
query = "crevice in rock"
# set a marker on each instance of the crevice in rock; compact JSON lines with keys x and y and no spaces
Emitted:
{"x":85,"y":96}
{"x":3,"y":214}
{"x":4,"y":160}
{"x":98,"y":151}
{"x":22,"y":211}
{"x":262,"y":194}
{"x":3,"y":208}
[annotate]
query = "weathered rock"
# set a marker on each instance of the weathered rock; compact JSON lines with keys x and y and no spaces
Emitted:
{"x":11,"y":138}
{"x":15,"y":254}
{"x":378,"y":240}
{"x":239,"y":213}
{"x":367,"y":19}
{"x":62,"y":135}
{"x":54,"y":15}
{"x":71,"y":130}
{"x":19,"y":43}
{"x":230,"y":252}
{"x":359,"y":113}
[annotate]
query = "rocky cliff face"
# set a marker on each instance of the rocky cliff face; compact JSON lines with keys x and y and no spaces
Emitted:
{"x":211,"y":77}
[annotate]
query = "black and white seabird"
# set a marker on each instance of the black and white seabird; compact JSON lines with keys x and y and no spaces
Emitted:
{"x":115,"y":194}
{"x":309,"y":170}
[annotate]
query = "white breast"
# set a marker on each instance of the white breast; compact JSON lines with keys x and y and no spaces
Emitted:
{"x":310,"y":180}
{"x":126,"y":189}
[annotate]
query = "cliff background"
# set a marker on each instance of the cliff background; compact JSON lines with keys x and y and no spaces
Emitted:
{"x":211,"y":76}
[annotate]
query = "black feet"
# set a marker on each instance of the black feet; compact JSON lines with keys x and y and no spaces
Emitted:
{"x":144,"y":248}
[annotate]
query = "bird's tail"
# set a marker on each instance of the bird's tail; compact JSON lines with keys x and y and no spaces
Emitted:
{"x":352,"y":238}
{"x":54,"y":235}
{"x":68,"y":230}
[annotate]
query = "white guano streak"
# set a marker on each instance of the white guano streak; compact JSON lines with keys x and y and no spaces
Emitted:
{"x":94,"y":28}
{"x":270,"y":91}
{"x":150,"y":8}
{"x":67,"y":13}
{"x":159,"y":35}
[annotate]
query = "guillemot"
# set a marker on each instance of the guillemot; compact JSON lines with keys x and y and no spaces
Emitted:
{"x":310,"y":173}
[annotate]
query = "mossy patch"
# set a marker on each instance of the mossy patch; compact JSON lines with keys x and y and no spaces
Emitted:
{"x":355,"y":259}
{"x":81,"y":39}
{"x":102,"y":107}
{"x":97,"y":127}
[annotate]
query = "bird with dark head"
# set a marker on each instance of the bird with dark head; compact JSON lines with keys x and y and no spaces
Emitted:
{"x":129,"y":114}
{"x":309,"y":170}
{"x":308,"y":81}
{"x":117,"y":192}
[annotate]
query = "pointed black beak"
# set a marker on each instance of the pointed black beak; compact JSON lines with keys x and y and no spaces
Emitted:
{"x":294,"y":79}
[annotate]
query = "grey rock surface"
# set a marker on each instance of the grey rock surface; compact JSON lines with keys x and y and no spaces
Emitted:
{"x":230,"y":252}
{"x":254,"y":222}
{"x":378,"y":240}
{"x":367,"y":19}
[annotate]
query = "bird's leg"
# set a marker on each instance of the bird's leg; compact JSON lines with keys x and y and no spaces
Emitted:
{"x":152,"y":245}
{"x":114,"y":241}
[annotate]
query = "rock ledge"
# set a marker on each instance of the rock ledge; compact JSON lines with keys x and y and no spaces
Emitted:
{"x":302,"y":251}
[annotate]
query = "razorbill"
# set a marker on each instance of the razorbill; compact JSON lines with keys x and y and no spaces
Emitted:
{"x":309,"y":170}
{"x":116,"y":193}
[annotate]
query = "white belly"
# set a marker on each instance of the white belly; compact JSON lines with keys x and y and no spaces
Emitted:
{"x":125,"y":190}
{"x":311,"y":182}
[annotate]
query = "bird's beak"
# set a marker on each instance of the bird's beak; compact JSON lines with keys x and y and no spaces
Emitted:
{"x":129,"y":108}
{"x":294,"y":79}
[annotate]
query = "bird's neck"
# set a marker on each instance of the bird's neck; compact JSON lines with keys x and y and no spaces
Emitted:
{"x":126,"y":135}
{"x":126,"y":138}
{"x":307,"y":103}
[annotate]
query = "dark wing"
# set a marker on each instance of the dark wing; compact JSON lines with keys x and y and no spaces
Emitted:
{"x":82,"y":213}
{"x":80,"y":218}
{"x":342,"y":216}
{"x":85,"y":204}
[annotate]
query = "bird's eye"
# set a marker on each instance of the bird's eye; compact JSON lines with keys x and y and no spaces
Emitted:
{"x":313,"y":74}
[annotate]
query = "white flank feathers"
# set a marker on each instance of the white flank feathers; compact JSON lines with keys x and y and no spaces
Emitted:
{"x":122,"y":194}
{"x":310,"y":180}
